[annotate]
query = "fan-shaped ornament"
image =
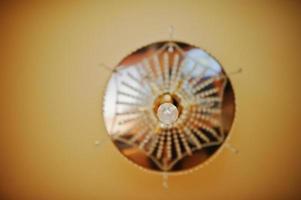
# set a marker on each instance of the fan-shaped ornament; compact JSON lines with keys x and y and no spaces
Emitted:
{"x":169,"y":106}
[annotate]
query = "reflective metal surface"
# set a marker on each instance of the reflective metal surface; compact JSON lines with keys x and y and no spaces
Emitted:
{"x":169,"y":106}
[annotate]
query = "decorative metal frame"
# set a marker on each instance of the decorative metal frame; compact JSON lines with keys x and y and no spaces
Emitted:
{"x":176,"y":73}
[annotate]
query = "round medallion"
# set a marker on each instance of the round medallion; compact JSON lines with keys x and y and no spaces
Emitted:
{"x":169,"y":106}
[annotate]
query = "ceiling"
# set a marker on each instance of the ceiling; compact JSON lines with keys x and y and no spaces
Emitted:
{"x":52,"y":83}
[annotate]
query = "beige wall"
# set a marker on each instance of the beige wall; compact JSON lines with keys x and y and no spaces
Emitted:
{"x":52,"y":85}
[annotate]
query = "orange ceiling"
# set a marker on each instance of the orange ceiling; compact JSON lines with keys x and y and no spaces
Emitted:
{"x":52,"y":85}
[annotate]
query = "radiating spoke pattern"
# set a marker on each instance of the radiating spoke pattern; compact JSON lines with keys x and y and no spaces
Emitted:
{"x":179,"y":75}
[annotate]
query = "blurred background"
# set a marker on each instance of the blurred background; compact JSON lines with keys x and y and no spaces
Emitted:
{"x":52,"y":86}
